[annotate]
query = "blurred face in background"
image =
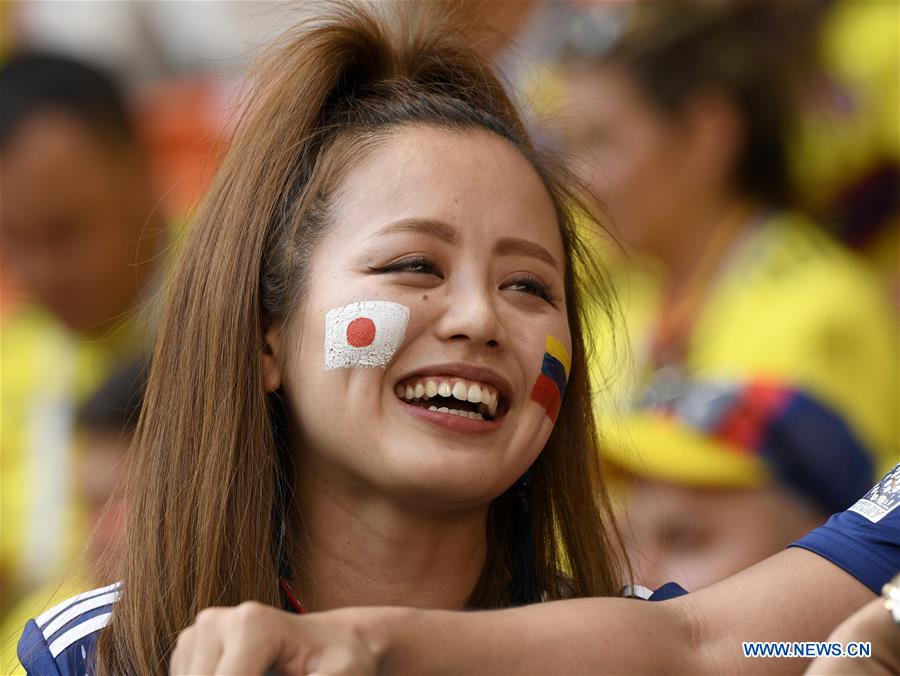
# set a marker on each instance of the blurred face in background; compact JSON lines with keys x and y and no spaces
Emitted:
{"x":652,"y":170}
{"x":697,"y":536}
{"x":72,"y":210}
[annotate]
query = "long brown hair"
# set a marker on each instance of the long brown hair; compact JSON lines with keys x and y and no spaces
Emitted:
{"x":210,"y":477}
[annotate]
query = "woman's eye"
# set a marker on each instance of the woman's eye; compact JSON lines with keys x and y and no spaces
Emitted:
{"x":534,"y":287}
{"x":418,"y":265}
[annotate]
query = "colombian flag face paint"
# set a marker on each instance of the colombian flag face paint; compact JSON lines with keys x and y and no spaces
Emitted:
{"x":551,"y":383}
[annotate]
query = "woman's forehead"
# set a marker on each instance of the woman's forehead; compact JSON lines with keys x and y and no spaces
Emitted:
{"x":472,"y":180}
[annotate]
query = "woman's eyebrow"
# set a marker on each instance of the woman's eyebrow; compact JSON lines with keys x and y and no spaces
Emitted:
{"x":508,"y":246}
{"x":513,"y":246}
{"x":425,"y":226}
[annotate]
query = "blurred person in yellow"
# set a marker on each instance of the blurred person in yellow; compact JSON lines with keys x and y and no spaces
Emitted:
{"x":82,"y":239}
{"x":764,"y":391}
{"x":108,"y":421}
{"x":845,"y":152}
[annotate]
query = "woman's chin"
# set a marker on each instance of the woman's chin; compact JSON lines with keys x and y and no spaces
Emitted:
{"x":445,"y":482}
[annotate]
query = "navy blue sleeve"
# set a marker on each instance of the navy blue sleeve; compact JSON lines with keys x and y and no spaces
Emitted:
{"x":33,"y":652}
{"x":62,"y":641}
{"x":864,"y":540}
{"x":669,"y":590}
{"x":70,"y":652}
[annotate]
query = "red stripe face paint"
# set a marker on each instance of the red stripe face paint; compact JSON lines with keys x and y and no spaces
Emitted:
{"x":546,"y":393}
{"x":550,"y":386}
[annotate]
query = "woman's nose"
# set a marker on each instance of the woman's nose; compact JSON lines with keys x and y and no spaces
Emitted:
{"x":471,"y":314}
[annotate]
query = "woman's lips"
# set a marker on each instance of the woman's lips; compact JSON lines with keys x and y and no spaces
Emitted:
{"x":458,"y":396}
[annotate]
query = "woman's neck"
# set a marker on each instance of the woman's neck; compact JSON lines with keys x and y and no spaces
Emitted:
{"x":357,"y":549}
{"x":699,"y":244}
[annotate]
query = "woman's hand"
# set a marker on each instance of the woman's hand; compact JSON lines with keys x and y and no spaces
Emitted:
{"x":253,"y":638}
{"x":872,"y":623}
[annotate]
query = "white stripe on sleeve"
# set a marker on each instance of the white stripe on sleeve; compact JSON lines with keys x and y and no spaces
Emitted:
{"x":79,"y":632}
{"x":48,"y":615}
{"x":78,"y":609}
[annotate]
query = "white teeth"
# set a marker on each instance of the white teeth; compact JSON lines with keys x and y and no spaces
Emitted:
{"x":474,"y":394}
{"x":473,"y":415}
{"x":460,"y":391}
{"x":489,"y":399}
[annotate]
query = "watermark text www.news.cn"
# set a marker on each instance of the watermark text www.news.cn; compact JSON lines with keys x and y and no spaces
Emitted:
{"x":811,"y":649}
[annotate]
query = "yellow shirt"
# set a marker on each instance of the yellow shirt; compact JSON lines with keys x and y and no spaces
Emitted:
{"x":790,"y":306}
{"x":859,"y":120}
{"x":47,"y":373}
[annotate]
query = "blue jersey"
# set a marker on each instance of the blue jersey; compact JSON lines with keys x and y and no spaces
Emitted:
{"x":864,"y":540}
{"x":62,"y":640}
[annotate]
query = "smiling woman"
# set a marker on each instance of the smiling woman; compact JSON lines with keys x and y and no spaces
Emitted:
{"x":357,"y":390}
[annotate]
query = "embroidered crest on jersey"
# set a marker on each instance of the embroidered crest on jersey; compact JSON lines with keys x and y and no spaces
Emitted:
{"x":882,"y":499}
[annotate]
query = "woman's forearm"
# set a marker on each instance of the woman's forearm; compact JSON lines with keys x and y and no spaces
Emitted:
{"x":606,"y":635}
{"x":794,"y":596}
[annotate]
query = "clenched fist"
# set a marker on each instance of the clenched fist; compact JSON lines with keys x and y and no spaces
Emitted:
{"x":253,"y":638}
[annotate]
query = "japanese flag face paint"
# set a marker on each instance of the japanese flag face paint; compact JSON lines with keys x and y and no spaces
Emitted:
{"x":550,"y":387}
{"x":364,"y":334}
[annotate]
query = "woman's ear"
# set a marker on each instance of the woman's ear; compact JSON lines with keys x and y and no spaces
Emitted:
{"x":272,"y":359}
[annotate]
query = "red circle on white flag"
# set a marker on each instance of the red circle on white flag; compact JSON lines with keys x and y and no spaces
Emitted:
{"x":361,"y":332}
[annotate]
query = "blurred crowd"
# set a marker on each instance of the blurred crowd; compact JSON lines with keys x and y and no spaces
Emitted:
{"x":744,"y":157}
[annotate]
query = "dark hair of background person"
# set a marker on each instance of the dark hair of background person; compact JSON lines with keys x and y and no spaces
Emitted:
{"x":35,"y":83}
{"x":212,"y":475}
{"x":756,"y":54}
{"x":116,"y":405}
